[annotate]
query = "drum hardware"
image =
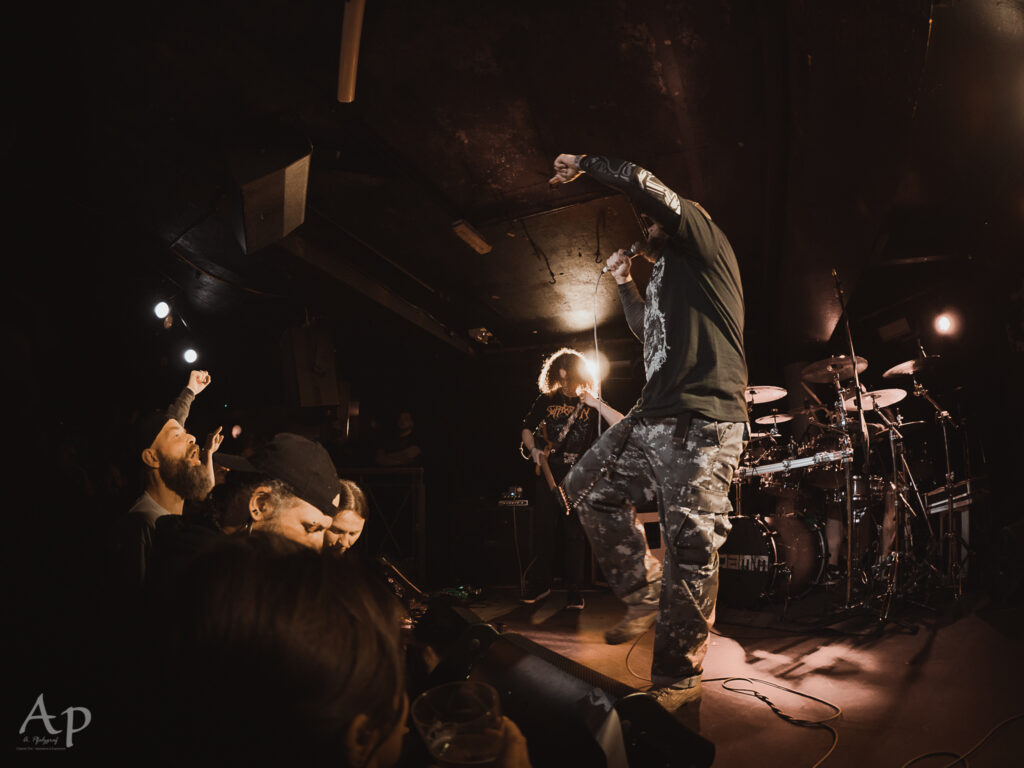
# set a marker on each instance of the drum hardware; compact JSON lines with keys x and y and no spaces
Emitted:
{"x":788,"y":465}
{"x":949,"y":538}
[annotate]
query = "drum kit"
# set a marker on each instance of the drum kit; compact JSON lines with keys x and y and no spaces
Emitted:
{"x":834,"y":503}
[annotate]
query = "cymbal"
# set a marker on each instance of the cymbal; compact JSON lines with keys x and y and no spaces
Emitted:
{"x":910,"y":367}
{"x":822,"y":371}
{"x":775,"y":418}
{"x":880,"y":398}
{"x":759,"y":435}
{"x":763,"y":394}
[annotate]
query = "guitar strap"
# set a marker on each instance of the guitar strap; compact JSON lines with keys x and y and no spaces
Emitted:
{"x":568,"y":424}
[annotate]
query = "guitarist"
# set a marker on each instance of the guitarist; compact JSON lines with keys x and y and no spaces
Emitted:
{"x":560,"y":427}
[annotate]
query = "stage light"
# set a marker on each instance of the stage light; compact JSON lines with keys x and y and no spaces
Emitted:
{"x":191,"y":356}
{"x":236,"y":431}
{"x":946,"y":324}
{"x":598,"y":368}
{"x":162,"y":310}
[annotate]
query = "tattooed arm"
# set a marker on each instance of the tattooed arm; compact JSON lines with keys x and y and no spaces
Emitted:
{"x":675,"y":216}
{"x":648,"y":193}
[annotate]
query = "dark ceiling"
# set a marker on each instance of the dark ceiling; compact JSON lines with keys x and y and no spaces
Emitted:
{"x":883,"y":139}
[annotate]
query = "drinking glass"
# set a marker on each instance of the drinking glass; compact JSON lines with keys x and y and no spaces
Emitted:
{"x":460,"y":722}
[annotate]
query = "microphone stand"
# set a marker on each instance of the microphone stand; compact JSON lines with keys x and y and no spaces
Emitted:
{"x":841,"y":295}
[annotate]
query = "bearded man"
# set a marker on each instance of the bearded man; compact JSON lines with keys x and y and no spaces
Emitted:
{"x":174,"y":470}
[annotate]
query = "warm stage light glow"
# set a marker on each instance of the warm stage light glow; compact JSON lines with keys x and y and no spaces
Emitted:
{"x":946,"y":324}
{"x":191,"y":356}
{"x":236,"y":431}
{"x":162,"y":310}
{"x":599,"y":368}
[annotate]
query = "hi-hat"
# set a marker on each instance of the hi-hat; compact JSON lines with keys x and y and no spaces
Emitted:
{"x":880,"y":398}
{"x":775,"y":418}
{"x":759,"y":435}
{"x":910,"y":367}
{"x":824,"y":371}
{"x":763,"y":394}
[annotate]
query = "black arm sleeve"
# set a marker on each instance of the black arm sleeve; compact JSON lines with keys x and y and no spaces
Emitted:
{"x":633,"y":307}
{"x":179,"y":409}
{"x":645,"y":190}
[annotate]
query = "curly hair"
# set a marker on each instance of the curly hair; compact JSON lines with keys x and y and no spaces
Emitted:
{"x":577,"y":374}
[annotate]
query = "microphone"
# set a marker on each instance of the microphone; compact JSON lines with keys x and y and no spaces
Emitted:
{"x":634,"y":249}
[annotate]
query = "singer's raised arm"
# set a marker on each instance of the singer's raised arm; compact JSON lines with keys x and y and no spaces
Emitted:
{"x":678,"y":217}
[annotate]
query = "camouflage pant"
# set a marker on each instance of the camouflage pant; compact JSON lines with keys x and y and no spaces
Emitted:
{"x":639,"y":460}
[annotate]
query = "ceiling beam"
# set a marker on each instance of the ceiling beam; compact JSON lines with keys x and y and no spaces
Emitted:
{"x":335,"y":265}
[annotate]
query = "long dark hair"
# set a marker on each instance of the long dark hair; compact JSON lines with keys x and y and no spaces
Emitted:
{"x":352,"y":497}
{"x":270,"y":651}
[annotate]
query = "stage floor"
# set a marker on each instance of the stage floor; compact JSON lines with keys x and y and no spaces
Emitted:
{"x":936,"y":680}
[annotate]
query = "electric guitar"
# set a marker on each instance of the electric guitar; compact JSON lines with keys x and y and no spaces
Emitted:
{"x":542,"y":460}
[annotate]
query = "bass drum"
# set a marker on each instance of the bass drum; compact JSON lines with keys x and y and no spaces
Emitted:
{"x":779,"y":557}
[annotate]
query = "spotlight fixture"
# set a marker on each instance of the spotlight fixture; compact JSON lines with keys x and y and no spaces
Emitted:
{"x":482,"y":335}
{"x":470,"y":236}
{"x":946,"y":324}
{"x":162,"y":309}
{"x":190,"y":356}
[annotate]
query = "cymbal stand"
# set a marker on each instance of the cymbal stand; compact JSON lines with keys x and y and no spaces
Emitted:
{"x":948,"y":533}
{"x":841,"y":295}
{"x":848,"y":464}
{"x":896,"y":563}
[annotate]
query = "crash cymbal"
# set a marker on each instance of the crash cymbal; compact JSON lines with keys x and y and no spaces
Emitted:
{"x":822,"y":371}
{"x":763,"y":394}
{"x":775,"y":418}
{"x":910,"y":367}
{"x":880,"y":398}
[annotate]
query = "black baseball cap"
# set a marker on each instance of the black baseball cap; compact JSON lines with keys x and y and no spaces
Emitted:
{"x":301,"y":463}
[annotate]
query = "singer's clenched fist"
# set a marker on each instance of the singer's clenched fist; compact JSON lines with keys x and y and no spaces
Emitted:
{"x":198,"y":381}
{"x":618,"y":265}
{"x":567,"y":168}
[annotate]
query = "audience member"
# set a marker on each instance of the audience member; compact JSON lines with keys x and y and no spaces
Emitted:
{"x":404,"y":449}
{"x":173,"y":472}
{"x":347,"y":526}
{"x":272,"y":655}
{"x":289,"y":487}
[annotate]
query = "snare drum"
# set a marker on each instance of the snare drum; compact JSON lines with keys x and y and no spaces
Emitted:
{"x":781,"y":556}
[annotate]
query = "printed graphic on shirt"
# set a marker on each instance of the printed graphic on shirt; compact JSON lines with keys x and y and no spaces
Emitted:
{"x":655,"y":333}
{"x":560,"y":412}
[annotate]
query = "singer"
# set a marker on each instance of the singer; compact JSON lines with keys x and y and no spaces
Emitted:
{"x":681,"y":442}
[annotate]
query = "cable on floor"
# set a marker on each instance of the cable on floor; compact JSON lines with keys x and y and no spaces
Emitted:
{"x":823,"y":724}
{"x":962,"y":759}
